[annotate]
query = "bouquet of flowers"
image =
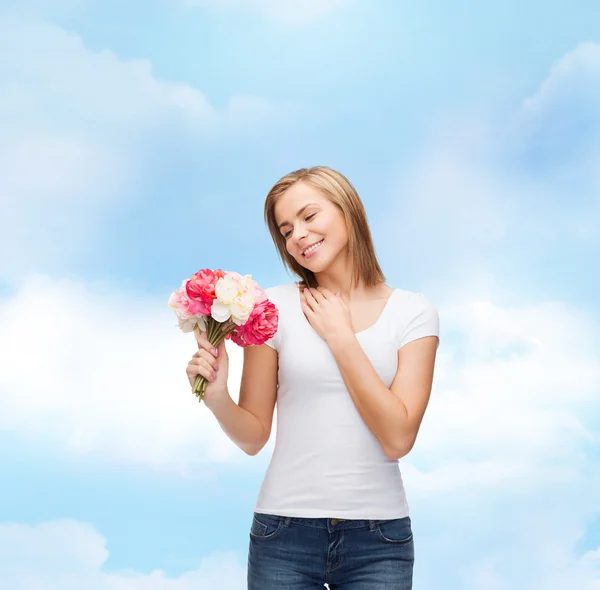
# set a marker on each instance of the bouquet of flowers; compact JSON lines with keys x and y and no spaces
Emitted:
{"x":224,"y":305}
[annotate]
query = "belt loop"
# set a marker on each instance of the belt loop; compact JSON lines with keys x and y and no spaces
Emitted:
{"x":372,"y":525}
{"x":287,"y":520}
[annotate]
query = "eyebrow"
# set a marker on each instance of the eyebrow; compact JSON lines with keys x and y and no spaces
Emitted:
{"x":299,"y":212}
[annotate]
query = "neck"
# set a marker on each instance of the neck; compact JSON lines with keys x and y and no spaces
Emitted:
{"x":337,"y":277}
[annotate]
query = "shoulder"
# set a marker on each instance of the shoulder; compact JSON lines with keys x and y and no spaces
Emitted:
{"x":416,"y":315}
{"x":280,"y":294}
{"x":413,"y":300}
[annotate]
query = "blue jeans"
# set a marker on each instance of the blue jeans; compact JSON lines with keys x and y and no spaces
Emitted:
{"x":290,"y":553}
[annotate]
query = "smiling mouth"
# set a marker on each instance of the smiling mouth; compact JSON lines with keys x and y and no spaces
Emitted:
{"x":312,"y":248}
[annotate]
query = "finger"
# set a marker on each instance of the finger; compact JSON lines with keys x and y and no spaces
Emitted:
{"x":319,"y":297}
{"x":304,"y":301}
{"x":207,"y":366}
{"x":306,"y":308}
{"x":201,"y":367}
{"x":201,"y":337}
{"x":204,"y":343}
{"x":309,"y":298}
{"x":207,"y":356}
{"x":324,"y":291}
{"x":222,"y":349}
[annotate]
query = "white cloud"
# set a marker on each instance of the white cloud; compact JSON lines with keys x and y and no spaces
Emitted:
{"x":573,"y":79}
{"x":558,"y":128}
{"x":503,"y":479}
{"x":483,"y":184}
{"x":90,"y":372}
{"x":50,"y":76}
{"x":288,"y":12}
{"x":537,"y":358}
{"x":76,"y":126}
{"x":503,"y":475}
{"x":70,"y":555}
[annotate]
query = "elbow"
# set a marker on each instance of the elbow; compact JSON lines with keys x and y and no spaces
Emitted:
{"x":398,"y":450}
{"x":254,"y":447}
{"x":253,"y":450}
{"x":395,"y":454}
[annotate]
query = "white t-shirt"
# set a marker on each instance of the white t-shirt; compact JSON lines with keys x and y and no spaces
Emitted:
{"x":326,"y":463}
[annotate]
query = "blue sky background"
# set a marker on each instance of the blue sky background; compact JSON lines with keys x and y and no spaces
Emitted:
{"x":137,"y":145}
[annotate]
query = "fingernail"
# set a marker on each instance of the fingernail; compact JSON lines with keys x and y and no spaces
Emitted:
{"x":215,"y":352}
{"x":216,"y":367}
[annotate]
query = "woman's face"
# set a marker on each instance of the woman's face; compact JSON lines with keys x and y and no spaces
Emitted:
{"x":313,"y":227}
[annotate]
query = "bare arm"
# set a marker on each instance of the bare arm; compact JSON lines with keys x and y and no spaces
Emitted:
{"x":393,"y":415}
{"x":248,"y":423}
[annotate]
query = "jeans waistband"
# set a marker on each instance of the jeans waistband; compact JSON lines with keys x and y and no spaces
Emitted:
{"x":324,"y":523}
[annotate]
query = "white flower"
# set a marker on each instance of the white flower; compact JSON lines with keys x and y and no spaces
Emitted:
{"x":189,"y":324}
{"x":236,"y":295}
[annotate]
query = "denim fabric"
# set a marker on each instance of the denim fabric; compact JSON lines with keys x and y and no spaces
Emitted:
{"x":291,"y":553}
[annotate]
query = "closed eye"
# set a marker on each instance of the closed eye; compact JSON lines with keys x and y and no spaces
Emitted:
{"x":307,"y":218}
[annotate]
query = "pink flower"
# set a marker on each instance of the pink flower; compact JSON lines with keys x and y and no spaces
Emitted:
{"x":260,"y":327}
{"x":260,"y":294}
{"x":199,"y":307}
{"x":226,"y":305}
{"x":201,"y":290}
{"x":180,"y":302}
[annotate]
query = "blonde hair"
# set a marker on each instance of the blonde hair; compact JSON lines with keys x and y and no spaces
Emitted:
{"x":336,"y":188}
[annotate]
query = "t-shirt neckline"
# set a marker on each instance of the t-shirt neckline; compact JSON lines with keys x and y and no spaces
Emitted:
{"x":368,"y":328}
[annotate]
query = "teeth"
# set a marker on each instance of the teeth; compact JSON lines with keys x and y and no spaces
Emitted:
{"x":311,"y":248}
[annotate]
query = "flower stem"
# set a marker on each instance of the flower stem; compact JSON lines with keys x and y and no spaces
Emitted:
{"x":216,"y":332}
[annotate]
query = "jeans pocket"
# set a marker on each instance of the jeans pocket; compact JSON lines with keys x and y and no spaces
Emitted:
{"x":265,"y":526}
{"x":395,"y":530}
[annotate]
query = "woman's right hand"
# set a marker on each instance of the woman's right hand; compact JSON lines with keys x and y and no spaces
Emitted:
{"x":215,"y":368}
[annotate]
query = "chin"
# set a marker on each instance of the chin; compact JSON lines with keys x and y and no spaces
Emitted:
{"x":317,"y":267}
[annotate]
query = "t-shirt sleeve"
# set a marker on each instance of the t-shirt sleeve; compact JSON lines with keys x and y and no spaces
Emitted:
{"x":424,"y":321}
{"x":272,"y":295}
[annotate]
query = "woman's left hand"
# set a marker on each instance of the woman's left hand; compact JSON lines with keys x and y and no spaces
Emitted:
{"x":327,"y":313}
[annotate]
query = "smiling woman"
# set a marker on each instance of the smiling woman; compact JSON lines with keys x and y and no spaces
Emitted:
{"x":350,"y":369}
{"x":319,"y":200}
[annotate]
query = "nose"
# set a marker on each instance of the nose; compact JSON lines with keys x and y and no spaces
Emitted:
{"x":300,"y":234}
